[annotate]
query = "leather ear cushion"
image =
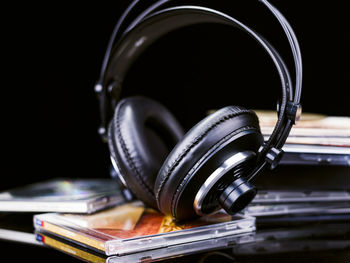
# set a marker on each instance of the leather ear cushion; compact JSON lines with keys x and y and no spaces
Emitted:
{"x":202,"y":138}
{"x":141,"y":135}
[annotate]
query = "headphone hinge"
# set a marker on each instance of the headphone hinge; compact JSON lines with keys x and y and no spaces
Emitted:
{"x":293,"y":111}
{"x":101,"y":97}
{"x":273,"y":157}
{"x":112,"y":94}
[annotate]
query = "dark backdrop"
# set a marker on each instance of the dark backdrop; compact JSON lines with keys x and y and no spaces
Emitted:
{"x":52,"y":56}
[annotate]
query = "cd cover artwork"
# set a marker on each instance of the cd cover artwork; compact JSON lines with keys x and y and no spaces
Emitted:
{"x":131,"y":228}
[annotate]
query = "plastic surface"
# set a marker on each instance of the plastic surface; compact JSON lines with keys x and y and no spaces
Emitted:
{"x":131,"y":228}
{"x":62,"y":195}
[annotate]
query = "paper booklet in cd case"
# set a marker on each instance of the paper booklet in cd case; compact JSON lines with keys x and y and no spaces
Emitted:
{"x":62,"y":195}
{"x":315,"y":140}
{"x":132,"y":228}
{"x":312,"y":129}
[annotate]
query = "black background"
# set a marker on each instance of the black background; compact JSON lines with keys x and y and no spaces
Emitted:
{"x":52,"y":56}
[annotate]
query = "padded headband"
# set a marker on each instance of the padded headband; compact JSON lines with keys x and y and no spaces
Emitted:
{"x":153,"y":27}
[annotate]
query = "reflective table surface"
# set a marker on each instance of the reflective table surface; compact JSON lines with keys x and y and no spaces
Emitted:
{"x":326,"y":240}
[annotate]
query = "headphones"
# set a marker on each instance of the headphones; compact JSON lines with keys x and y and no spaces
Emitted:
{"x":209,"y":167}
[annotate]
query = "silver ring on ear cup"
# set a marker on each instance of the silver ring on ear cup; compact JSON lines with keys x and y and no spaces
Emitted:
{"x":215,"y":177}
{"x":117,"y":172}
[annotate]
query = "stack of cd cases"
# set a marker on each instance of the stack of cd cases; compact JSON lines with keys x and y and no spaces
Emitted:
{"x":131,"y":232}
{"x":92,"y":220}
{"x":293,"y":207}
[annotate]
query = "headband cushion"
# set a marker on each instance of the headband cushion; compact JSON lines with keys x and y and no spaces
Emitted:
{"x":206,"y":137}
{"x":142,"y":133}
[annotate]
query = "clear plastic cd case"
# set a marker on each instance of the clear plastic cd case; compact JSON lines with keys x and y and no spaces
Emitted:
{"x":151,"y":255}
{"x":277,"y":197}
{"x":133,"y":228}
{"x":295,"y":209}
{"x":80,"y":195}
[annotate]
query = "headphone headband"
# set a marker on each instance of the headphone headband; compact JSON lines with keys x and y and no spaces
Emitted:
{"x":142,"y":35}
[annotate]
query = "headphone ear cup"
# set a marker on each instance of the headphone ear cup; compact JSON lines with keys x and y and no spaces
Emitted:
{"x":203,"y":149}
{"x":141,"y":135}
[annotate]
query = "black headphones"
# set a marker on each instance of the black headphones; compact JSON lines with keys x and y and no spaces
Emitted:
{"x":209,"y":167}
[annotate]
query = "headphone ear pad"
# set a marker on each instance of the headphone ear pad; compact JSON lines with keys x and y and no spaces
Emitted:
{"x":140,"y":136}
{"x":205,"y":147}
